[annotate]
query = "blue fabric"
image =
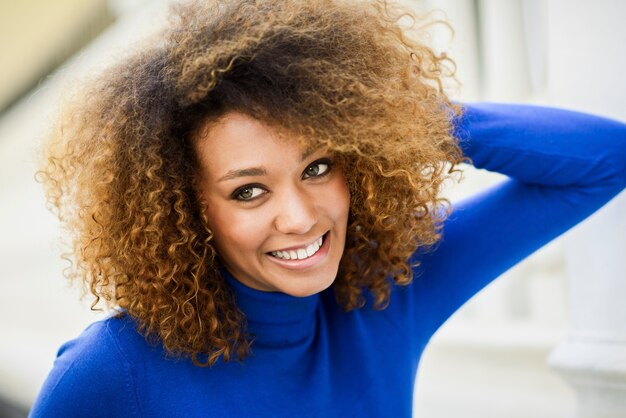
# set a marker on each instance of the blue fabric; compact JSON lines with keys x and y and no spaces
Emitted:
{"x":310,"y":358}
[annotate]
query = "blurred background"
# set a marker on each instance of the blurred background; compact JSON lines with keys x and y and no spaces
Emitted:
{"x":547,"y":339}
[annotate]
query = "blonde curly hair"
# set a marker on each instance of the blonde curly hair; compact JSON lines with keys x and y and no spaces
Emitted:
{"x":351,"y":76}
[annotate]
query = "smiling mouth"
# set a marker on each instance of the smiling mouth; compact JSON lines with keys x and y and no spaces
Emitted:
{"x":302,"y":253}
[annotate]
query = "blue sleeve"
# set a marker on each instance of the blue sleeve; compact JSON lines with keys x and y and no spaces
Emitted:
{"x":90,"y":378}
{"x":562,"y":167}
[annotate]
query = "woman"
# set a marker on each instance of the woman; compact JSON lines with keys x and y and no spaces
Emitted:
{"x":259,"y":193}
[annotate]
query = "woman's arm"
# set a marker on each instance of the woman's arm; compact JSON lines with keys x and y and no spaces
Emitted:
{"x":562,"y":165}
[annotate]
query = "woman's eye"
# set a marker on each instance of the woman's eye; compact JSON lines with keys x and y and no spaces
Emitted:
{"x":317,"y":169}
{"x":248,"y":193}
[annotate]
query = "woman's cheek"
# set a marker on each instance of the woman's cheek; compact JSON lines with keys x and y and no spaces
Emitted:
{"x":244,"y":228}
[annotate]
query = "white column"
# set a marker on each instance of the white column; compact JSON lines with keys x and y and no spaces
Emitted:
{"x":593,"y":357}
{"x":505,"y":67}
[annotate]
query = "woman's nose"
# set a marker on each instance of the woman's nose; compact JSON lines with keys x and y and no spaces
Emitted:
{"x":296,"y":213}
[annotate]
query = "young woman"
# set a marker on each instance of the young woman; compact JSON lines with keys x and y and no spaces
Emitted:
{"x":259,"y":192}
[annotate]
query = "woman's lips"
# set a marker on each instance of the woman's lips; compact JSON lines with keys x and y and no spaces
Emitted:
{"x":307,"y":262}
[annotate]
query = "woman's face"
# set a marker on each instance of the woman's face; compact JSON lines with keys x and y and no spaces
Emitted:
{"x":270,"y":205}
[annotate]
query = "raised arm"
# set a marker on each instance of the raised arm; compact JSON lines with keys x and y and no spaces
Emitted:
{"x":562,"y":165}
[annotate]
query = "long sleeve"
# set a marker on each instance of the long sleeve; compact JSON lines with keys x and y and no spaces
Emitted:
{"x":562,"y":167}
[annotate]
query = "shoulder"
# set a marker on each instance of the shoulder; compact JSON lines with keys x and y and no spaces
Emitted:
{"x":92,"y":374}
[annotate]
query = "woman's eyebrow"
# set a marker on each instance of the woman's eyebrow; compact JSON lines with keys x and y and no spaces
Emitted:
{"x":257,"y":171}
{"x":243,"y":172}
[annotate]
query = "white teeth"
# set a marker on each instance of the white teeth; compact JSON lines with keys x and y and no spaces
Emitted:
{"x":299,"y":254}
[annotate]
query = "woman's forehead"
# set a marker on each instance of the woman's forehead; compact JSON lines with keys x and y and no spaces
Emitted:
{"x":239,"y":139}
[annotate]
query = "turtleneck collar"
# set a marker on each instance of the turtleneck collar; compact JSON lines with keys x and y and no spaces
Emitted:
{"x":275,"y":318}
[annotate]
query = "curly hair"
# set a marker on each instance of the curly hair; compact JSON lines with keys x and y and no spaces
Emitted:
{"x":120,"y":170}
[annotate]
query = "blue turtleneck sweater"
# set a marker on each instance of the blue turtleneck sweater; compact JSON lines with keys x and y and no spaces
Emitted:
{"x":311,"y":359}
